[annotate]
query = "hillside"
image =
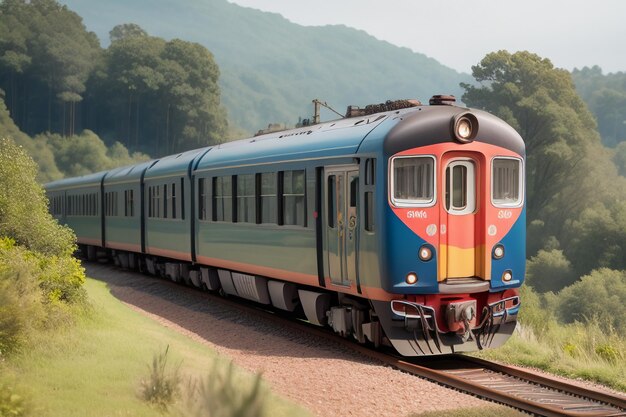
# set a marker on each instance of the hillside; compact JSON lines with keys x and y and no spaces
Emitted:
{"x":271,"y":68}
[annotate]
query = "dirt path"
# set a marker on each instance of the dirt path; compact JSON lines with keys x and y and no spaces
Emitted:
{"x":328,"y":380}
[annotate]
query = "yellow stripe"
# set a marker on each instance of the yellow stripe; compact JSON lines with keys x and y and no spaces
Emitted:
{"x":455,"y":262}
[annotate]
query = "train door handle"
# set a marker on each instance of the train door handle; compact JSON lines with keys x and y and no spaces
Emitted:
{"x":352,"y":222}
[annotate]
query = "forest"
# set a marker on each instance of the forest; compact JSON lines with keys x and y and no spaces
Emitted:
{"x":76,"y":107}
{"x":154,"y":96}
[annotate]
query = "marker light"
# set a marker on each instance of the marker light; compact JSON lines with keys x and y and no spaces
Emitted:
{"x":411,"y":278}
{"x":507,"y":276}
{"x":464,"y":127}
{"x":425,"y":254}
{"x":498,"y":251}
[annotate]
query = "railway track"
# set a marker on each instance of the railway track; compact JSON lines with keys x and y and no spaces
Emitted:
{"x":511,"y":386}
{"x":517,"y":388}
{"x":514,"y":387}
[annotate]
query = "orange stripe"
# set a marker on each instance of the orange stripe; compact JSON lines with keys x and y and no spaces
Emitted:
{"x":130,"y":247}
{"x":88,"y":241}
{"x":168,"y":253}
{"x":298,"y":277}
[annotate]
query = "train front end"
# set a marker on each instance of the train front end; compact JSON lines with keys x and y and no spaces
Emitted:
{"x":454,"y":236}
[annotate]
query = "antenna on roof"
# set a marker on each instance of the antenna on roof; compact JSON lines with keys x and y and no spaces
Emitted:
{"x":316,"y":114}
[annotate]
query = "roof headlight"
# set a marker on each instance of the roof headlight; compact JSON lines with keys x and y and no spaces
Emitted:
{"x":464,"y":127}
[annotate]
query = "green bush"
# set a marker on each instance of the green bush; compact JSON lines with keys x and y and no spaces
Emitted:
{"x":39,"y":278}
{"x":600,"y":295}
{"x":549,"y":271}
{"x":21,"y":307}
{"x":24,"y":213}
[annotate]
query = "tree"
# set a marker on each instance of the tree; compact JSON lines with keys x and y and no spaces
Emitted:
{"x":46,"y":56}
{"x":620,"y":158}
{"x":86,"y":153}
{"x":126,"y":30}
{"x":165,"y":95}
{"x":606,"y":97}
{"x":194,"y":95}
{"x":549,"y":271}
{"x":599,"y":295}
{"x":567,"y":169}
{"x":597,"y":237}
{"x":24,"y":213}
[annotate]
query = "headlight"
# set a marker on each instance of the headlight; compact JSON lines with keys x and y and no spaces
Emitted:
{"x":425,"y":254}
{"x":411,"y":278}
{"x":498,"y":251}
{"x":507,"y":276}
{"x":464,"y":127}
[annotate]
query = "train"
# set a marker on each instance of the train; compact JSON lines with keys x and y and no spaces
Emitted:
{"x":401,"y":224}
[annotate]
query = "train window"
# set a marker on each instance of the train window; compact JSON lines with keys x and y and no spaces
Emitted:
{"x":332,"y":201}
{"x":181,"y":199}
{"x":354,"y":191}
{"x":155,"y":201}
{"x":202,"y":195}
{"x":370,"y":171}
{"x":129,"y":209}
{"x":268,"y":197}
{"x":460,"y":189}
{"x":246,"y":194}
{"x":293,"y":198}
{"x":174,"y":200}
{"x":166,"y":201}
{"x":223,"y":199}
{"x":506,"y":182}
{"x":369,"y":211}
{"x":150,"y":205}
{"x":413,"y":181}
{"x":110,"y":201}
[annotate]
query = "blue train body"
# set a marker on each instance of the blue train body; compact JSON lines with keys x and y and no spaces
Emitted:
{"x":403,"y":227}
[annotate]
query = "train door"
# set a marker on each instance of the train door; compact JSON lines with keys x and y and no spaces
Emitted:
{"x":459,"y":217}
{"x":342,"y":223}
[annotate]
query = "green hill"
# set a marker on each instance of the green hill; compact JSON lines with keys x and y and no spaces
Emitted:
{"x":271,"y":68}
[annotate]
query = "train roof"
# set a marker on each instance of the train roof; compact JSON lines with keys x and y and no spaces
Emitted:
{"x":432,"y":124}
{"x":89,"y":180}
{"x":331,"y":139}
{"x":127,"y":173}
{"x":175,"y":165}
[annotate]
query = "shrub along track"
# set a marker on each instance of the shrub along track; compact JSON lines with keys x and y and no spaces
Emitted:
{"x":334,"y":376}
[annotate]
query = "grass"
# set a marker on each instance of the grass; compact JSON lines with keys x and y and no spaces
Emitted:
{"x":95,"y":367}
{"x":573,"y":350}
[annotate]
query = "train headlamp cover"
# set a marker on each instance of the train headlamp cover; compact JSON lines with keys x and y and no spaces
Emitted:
{"x":464,"y":127}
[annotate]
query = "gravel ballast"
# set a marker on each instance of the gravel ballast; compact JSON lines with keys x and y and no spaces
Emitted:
{"x":325,"y":378}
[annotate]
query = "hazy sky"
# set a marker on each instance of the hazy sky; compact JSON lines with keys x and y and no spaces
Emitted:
{"x":459,"y":33}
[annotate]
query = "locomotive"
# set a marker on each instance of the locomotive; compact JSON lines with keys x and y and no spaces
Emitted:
{"x":400,"y":224}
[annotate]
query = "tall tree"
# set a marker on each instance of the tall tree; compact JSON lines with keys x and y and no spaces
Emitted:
{"x":126,"y":30}
{"x":606,"y":97}
{"x":47,"y":49}
{"x":165,"y":95}
{"x":567,"y":168}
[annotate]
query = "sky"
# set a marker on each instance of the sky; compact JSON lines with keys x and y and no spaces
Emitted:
{"x":459,"y":33}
